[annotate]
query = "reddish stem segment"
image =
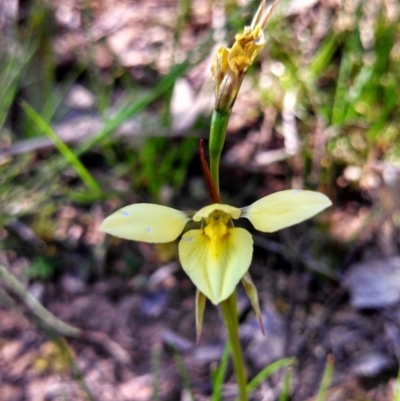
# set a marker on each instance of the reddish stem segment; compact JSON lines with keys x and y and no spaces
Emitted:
{"x":212,"y":189}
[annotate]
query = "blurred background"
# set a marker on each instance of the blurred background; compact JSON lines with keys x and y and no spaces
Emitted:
{"x":103,"y":103}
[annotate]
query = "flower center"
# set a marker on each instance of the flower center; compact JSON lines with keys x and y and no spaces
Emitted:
{"x":217,"y":230}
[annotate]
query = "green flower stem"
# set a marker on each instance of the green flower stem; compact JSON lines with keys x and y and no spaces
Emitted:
{"x":229,"y":312}
{"x":219,"y":123}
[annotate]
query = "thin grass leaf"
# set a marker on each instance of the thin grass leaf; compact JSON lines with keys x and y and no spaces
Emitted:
{"x":360,"y":82}
{"x":324,"y":55}
{"x":326,"y":379}
{"x":268,"y":371}
{"x":67,"y":153}
{"x":219,"y":374}
{"x":287,"y":379}
{"x":53,"y":102}
{"x":340,"y":104}
{"x":183,"y":16}
{"x":397,"y":388}
{"x":155,"y":368}
{"x":10,"y":76}
{"x":76,"y":372}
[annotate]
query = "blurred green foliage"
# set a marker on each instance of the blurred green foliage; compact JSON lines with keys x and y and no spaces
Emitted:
{"x":344,"y":81}
{"x":40,"y":269}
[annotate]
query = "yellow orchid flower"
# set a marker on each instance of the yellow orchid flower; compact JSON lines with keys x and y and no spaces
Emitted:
{"x":231,"y":64}
{"x":217,"y":255}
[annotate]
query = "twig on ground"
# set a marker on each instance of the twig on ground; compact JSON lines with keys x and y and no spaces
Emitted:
{"x":47,"y":319}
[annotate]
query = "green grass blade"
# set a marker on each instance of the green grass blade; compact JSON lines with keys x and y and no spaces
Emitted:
{"x":10,"y":76}
{"x":361,"y":80}
{"x":58,"y":95}
{"x":76,"y":372}
{"x":326,"y":379}
{"x":219,"y":374}
{"x":183,"y":16}
{"x":324,"y":55}
{"x":286,"y":386}
{"x":155,"y":367}
{"x":397,"y":388}
{"x":68,"y":154}
{"x":340,"y":104}
{"x":268,"y":371}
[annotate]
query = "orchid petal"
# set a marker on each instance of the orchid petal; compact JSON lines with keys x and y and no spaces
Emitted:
{"x":146,"y":222}
{"x":200,"y":306}
{"x":252,"y":294}
{"x":216,"y":269}
{"x":284,"y":209}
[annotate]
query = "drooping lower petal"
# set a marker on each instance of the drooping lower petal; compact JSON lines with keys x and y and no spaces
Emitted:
{"x":200,"y":305}
{"x":252,"y":293}
{"x":146,"y":222}
{"x":284,"y":209}
{"x":216,"y":269}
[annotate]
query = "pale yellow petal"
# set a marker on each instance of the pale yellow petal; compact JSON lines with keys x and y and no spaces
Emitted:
{"x":204,"y":212}
{"x":146,"y":222}
{"x":216,"y":275}
{"x":284,"y":209}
